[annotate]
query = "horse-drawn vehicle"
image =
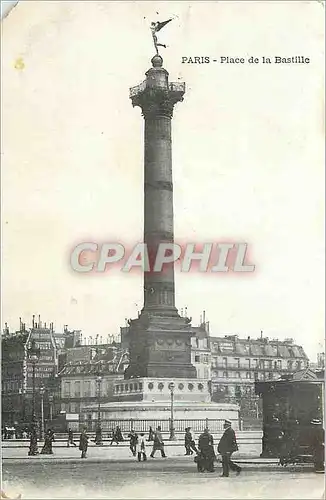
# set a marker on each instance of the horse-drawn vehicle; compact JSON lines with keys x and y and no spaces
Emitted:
{"x":293,"y":420}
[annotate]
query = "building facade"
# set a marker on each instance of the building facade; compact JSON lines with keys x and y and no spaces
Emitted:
{"x":18,"y":369}
{"x":69,"y":370}
{"x":89,"y":374}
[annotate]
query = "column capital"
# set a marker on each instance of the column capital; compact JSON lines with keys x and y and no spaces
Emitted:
{"x":156,"y":96}
{"x":156,"y":102}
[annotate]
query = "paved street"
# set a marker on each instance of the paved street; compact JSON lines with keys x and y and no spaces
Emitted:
{"x":174,"y":477}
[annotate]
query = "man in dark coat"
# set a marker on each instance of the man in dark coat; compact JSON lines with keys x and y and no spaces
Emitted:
{"x":158,"y":443}
{"x":206,"y":455}
{"x":227,"y":446}
{"x":83,"y":443}
{"x":133,"y":442}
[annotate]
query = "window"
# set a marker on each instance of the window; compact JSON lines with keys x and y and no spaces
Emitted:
{"x":87,"y":388}
{"x":77,"y":389}
{"x":248,"y":375}
{"x":270,"y":376}
{"x":238,"y":375}
{"x":66,"y":390}
{"x":197,"y":358}
{"x":237,"y":362}
{"x":205,"y":358}
{"x":225,"y":360}
{"x":225,"y":374}
{"x":197,"y":343}
{"x":290,"y":365}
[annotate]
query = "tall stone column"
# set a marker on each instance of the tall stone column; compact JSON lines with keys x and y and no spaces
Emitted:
{"x":159,"y":340}
{"x":157,"y":97}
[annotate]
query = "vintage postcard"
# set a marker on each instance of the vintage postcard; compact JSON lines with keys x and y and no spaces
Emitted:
{"x":162,"y":249}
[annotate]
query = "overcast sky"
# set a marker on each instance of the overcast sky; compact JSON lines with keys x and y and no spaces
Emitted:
{"x":247,"y":160}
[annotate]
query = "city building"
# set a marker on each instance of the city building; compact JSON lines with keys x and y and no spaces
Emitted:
{"x":79,"y":377}
{"x":68,"y":367}
{"x":29,"y":370}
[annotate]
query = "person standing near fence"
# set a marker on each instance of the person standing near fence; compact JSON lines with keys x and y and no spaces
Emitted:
{"x":83,"y":443}
{"x":190,"y":444}
{"x":206,"y":451}
{"x":150,"y":434}
{"x":158,"y":443}
{"x":133,"y":441}
{"x":141,"y":448}
{"x":188,"y":441}
{"x":70,"y":439}
{"x":116,"y":436}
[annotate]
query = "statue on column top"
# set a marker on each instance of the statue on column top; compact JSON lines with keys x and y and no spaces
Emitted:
{"x":155,"y":27}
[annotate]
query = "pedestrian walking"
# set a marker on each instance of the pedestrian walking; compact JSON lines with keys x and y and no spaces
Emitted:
{"x":33,"y":449}
{"x":141,"y":448}
{"x":116,"y":436}
{"x":190,"y":445}
{"x":227,"y":446}
{"x":133,"y":437}
{"x":70,"y":439}
{"x":48,"y":440}
{"x":83,"y":443}
{"x":206,"y":455}
{"x":158,"y":443}
{"x":187,"y":442}
{"x":150,"y":434}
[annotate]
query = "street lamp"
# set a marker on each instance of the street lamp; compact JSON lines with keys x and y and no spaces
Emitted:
{"x":42,"y":390}
{"x":51,"y":406}
{"x":172,"y":435}
{"x":98,"y":433}
{"x":33,"y":356}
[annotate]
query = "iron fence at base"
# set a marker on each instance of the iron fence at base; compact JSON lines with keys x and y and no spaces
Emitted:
{"x":143,"y":425}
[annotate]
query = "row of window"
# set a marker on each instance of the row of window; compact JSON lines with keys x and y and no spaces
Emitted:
{"x":76,"y":390}
{"x":44,"y":345}
{"x":264,"y":364}
{"x":11,"y":386}
{"x":249,"y":375}
{"x":204,"y":358}
{"x":129,"y":387}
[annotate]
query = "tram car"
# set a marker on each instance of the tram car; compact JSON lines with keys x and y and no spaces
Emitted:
{"x":293,"y":418}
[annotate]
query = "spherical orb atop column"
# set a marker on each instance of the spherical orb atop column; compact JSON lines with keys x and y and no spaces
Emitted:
{"x":157,"y":61}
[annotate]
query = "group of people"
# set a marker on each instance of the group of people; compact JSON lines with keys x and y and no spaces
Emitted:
{"x":47,"y":446}
{"x":138,"y":443}
{"x":206,"y":454}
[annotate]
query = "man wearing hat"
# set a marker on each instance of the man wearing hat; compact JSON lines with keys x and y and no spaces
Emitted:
{"x":227,"y":446}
